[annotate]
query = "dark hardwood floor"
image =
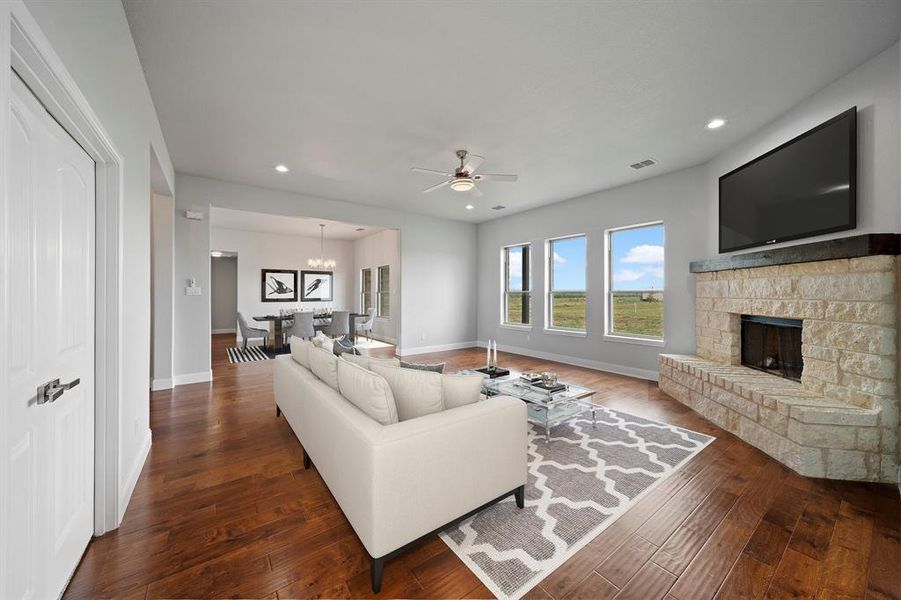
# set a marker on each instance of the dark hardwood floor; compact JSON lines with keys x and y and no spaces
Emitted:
{"x":224,"y":508}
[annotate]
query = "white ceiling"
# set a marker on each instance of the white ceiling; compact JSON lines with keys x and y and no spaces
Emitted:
{"x":350,"y":95}
{"x":227,"y":218}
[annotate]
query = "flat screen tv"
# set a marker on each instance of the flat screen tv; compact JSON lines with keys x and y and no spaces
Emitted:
{"x":805,"y":187}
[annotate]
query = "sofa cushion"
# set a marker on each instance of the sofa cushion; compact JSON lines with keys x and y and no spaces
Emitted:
{"x":367,"y":391}
{"x":300,"y":351}
{"x":324,"y":365}
{"x":460,"y":390}
{"x":436,"y":367}
{"x":365,"y":361}
{"x":416,"y":393}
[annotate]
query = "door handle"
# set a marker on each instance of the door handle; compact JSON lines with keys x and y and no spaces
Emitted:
{"x":52,"y":390}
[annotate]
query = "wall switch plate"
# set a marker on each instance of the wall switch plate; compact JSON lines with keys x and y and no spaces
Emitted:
{"x":192,"y":291}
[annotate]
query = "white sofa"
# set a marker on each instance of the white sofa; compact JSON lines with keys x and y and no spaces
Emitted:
{"x":397,"y":483}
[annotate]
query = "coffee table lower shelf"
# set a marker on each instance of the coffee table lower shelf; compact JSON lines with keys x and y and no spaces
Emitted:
{"x":548,"y":417}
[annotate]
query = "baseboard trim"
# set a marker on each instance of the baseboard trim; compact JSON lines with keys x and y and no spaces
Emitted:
{"x":161,"y":384}
{"x":439,"y":348}
{"x":215,"y":331}
{"x":131,"y":481}
{"x":579,"y":362}
{"x":187,"y":378}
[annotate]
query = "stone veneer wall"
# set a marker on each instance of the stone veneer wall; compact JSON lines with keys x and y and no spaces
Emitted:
{"x":849,"y":309}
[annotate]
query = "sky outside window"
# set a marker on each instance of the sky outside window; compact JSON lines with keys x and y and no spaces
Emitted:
{"x":637,"y":260}
{"x":569,"y":263}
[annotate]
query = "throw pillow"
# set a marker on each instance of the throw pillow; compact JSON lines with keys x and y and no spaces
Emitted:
{"x":416,"y":393}
{"x":367,"y":391}
{"x":343,"y":346}
{"x":321,"y":340}
{"x":460,"y":390}
{"x":437,"y":367}
{"x":324,"y":365}
{"x":300,"y":351}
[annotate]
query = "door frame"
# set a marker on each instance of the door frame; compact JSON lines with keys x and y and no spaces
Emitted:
{"x":25,"y":48}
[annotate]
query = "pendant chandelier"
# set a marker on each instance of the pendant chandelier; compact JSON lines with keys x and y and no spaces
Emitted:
{"x":321,"y":262}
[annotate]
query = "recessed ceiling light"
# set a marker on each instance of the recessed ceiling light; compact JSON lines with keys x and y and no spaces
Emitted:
{"x":469,"y":207}
{"x":282,"y":168}
{"x":716,"y":123}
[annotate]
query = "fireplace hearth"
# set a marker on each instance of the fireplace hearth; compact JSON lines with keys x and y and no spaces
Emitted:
{"x":772,"y":345}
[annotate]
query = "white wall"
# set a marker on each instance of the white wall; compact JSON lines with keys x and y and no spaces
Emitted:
{"x":223,"y":294}
{"x":94,"y":41}
{"x":372,"y":252}
{"x":677,"y":199}
{"x":162,"y":237}
{"x":439,"y":255}
{"x":874,"y":88}
{"x":257,"y":250}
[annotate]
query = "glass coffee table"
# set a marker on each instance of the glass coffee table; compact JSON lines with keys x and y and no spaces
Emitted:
{"x":545,"y":408}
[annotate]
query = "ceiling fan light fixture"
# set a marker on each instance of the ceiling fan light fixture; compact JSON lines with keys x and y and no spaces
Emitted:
{"x":462,"y":184}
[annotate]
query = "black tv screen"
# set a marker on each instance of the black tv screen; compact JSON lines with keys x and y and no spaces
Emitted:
{"x":805,"y":187}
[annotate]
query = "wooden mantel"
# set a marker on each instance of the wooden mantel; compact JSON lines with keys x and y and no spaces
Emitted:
{"x":870,"y":244}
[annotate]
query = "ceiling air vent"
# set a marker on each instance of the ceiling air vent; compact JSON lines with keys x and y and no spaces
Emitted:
{"x":643,"y":163}
{"x":498,"y":207}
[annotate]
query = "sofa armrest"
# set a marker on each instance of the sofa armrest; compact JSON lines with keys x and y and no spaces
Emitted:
{"x":430,"y":470}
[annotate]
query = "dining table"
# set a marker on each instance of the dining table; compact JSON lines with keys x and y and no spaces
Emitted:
{"x":320,"y":321}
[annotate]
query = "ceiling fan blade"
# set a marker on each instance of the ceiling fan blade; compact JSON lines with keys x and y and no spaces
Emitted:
{"x":476,"y":192}
{"x":433,"y":171}
{"x":473,"y":163}
{"x":495,"y":177}
{"x":435,"y":187}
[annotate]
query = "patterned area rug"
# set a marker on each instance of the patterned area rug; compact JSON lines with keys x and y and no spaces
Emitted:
{"x":579,"y":483}
{"x":251,"y":354}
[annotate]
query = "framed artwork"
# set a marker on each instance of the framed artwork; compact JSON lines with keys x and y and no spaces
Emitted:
{"x":278,"y":285}
{"x":316,"y":286}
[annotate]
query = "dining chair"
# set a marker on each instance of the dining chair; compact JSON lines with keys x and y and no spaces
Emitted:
{"x":248,"y":332}
{"x":340,"y":324}
{"x":302,"y":327}
{"x":365,"y":326}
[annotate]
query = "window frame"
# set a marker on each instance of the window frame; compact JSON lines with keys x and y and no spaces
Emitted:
{"x":549,"y":284}
{"x":505,"y":292}
{"x":379,"y":293}
{"x":609,"y":290}
{"x":363,"y":293}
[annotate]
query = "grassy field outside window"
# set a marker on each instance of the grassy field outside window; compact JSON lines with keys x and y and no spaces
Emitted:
{"x":636,"y":288}
{"x":517,"y":285}
{"x":567,"y":299}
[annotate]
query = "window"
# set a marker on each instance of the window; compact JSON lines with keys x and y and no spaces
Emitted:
{"x":365,"y":290}
{"x":517,"y":298}
{"x":384,"y":305}
{"x":635,"y":281}
{"x":566,"y":297}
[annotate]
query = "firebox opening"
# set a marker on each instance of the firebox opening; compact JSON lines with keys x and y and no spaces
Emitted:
{"x":773,"y":345}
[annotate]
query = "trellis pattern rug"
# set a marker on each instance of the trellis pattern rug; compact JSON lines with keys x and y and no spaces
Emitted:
{"x":580,"y":482}
{"x":251,"y":354}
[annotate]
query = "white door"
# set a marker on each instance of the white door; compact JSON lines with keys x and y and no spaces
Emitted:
{"x":50,"y":335}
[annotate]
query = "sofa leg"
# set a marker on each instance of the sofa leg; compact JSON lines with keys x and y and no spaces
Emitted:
{"x":378,"y":567}
{"x":520,"y":494}
{"x":278,"y":410}
{"x":306,"y":460}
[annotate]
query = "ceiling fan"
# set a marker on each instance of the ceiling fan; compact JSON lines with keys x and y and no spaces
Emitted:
{"x":464,"y":177}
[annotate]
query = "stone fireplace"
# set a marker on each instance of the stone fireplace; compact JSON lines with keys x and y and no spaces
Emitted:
{"x":797,"y":354}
